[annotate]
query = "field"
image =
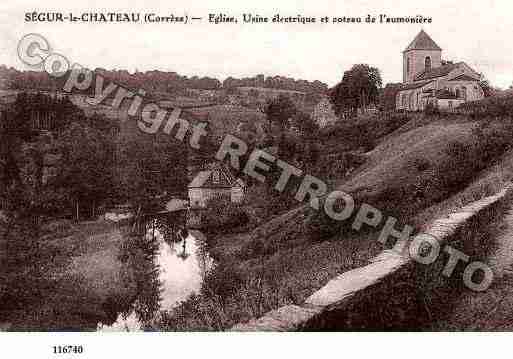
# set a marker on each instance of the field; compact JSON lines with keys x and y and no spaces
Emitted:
{"x":224,"y":119}
{"x":83,"y":273}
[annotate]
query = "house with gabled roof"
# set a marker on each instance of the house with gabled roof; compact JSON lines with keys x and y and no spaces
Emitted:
{"x":429,"y":79}
{"x":216,"y":182}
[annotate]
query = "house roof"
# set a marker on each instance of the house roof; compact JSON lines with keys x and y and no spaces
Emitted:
{"x":200,"y":179}
{"x":205,"y":179}
{"x":422,"y":42}
{"x":436,"y":72}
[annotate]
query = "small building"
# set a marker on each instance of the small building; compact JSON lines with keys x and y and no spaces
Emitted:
{"x":324,"y":113}
{"x":216,"y":183}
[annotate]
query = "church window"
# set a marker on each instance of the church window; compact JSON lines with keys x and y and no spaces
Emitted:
{"x":427,"y":63}
{"x":464,"y":93}
{"x":407,"y":65}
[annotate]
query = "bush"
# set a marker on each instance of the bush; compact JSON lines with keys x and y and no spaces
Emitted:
{"x":224,"y":215}
{"x":495,"y":106}
{"x":431,"y":109}
{"x":421,"y":164}
{"x":223,"y":280}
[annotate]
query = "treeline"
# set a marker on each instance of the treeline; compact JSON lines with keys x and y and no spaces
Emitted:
{"x":156,"y":81}
{"x":34,"y":111}
{"x":277,"y":82}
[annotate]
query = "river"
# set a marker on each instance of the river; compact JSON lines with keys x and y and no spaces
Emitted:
{"x":180,"y":264}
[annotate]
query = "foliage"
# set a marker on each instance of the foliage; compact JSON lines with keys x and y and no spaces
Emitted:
{"x":305,"y":125}
{"x":61,"y":111}
{"x":21,"y":268}
{"x":223,"y":215}
{"x":488,"y":90}
{"x":359,"y":87}
{"x":280,"y":111}
{"x":158,"y":81}
{"x":494,"y":106}
{"x":388,"y":96}
{"x":276,"y":82}
{"x":362,"y":132}
{"x":431,"y":109}
{"x":149,"y":169}
{"x":86,"y":166}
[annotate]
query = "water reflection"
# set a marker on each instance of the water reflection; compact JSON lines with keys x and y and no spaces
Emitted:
{"x":173,"y":271}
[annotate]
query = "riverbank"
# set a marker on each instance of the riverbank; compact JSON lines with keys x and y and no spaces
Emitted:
{"x":83,"y":274}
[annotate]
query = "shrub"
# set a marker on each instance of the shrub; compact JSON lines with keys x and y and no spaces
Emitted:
{"x":496,"y":106}
{"x":421,"y":164}
{"x":431,"y":109}
{"x":223,"y":280}
{"x":223,"y":214}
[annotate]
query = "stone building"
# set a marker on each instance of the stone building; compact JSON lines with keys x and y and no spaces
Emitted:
{"x":215,"y":183}
{"x":429,"y":79}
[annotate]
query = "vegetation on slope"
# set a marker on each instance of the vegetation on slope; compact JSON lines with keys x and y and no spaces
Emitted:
{"x":293,"y":254}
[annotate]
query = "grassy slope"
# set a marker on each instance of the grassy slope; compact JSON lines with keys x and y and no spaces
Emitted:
{"x":83,"y":275}
{"x":486,"y":183}
{"x":391,"y":165}
{"x":390,"y":162}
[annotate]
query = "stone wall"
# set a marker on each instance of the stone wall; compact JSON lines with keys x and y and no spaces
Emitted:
{"x":392,"y":292}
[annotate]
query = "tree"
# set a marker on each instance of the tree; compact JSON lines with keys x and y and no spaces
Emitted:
{"x":86,"y":167}
{"x":151,"y":168}
{"x":305,"y":125}
{"x":388,"y":96}
{"x":19,"y":222}
{"x":488,"y":90}
{"x":359,"y":87}
{"x":279,"y":112}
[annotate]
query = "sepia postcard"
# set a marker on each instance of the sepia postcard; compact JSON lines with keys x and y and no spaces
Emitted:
{"x":320,"y":166}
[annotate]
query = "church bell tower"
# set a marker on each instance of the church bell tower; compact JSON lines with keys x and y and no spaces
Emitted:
{"x":423,"y":54}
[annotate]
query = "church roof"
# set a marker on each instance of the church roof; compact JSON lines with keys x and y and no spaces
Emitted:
{"x":464,"y":77}
{"x":422,"y":42}
{"x":414,"y":85}
{"x":436,"y":72}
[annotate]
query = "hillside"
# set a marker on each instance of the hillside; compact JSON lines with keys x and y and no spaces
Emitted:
{"x":224,"y":119}
{"x":422,"y":169}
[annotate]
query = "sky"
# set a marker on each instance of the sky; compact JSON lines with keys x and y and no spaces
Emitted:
{"x":476,"y":32}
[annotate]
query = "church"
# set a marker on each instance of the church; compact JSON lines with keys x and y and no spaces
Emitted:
{"x":429,"y":79}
